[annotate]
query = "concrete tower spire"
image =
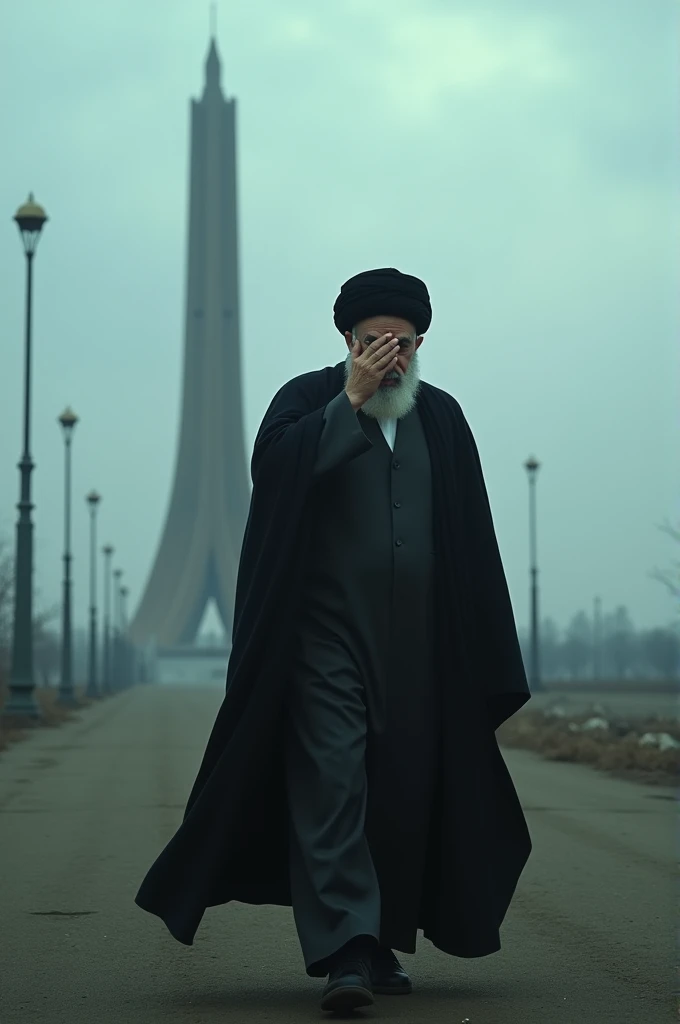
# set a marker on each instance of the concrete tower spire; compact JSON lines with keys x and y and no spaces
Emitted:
{"x":198,"y":554}
{"x":213,"y":64}
{"x":213,"y":68}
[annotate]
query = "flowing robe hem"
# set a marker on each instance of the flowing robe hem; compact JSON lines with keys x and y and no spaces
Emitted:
{"x":186,"y":936}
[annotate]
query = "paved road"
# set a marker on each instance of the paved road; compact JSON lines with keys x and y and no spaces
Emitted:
{"x":84,"y":809}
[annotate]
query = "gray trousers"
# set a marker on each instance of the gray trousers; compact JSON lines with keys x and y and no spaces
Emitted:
{"x":334,"y":886}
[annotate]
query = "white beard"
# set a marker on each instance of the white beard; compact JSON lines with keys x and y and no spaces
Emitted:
{"x":394,"y":402}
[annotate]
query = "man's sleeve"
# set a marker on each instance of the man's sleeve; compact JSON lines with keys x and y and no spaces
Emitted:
{"x":342,"y":438}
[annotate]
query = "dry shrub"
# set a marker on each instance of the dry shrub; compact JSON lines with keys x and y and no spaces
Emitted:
{"x":14,"y":729}
{"x":581,"y":749}
{"x":11,"y":734}
{"x":616,"y":749}
{"x":52,"y":712}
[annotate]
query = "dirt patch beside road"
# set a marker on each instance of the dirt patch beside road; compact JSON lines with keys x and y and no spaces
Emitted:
{"x":12,"y":730}
{"x":632,"y":749}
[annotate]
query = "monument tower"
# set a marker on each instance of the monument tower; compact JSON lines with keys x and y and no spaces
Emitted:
{"x":197,"y":558}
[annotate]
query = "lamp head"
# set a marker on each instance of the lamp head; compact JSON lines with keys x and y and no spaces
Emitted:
{"x":532,"y":465}
{"x":93,"y":499}
{"x":68,"y":420}
{"x":30,"y":219}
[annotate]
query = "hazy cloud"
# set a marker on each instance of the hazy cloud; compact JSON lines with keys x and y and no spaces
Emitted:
{"x":520,"y":156}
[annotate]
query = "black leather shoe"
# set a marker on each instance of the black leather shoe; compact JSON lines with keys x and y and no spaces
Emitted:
{"x":388,"y":977}
{"x":348,"y":987}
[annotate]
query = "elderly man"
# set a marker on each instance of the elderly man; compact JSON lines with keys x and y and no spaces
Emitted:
{"x":353,"y":771}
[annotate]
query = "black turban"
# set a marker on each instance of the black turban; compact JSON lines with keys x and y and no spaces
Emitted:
{"x":385,"y":292}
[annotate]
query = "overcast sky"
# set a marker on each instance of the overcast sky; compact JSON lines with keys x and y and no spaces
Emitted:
{"x":519,"y":156}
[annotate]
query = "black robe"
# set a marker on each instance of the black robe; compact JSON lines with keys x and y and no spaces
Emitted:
{"x":233,"y":841}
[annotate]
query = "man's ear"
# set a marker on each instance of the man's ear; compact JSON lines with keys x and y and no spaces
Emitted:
{"x":349,"y":340}
{"x":419,"y":341}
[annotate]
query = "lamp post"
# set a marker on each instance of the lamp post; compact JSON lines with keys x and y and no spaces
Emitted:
{"x":30,"y":219}
{"x":106,"y":666}
{"x":124,"y":591}
{"x":125,"y":646}
{"x":68,"y":420}
{"x":532,"y":466}
{"x":92,"y":690}
{"x":117,"y":574}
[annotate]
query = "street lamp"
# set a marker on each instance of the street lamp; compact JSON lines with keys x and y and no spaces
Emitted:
{"x":106,"y":673}
{"x":30,"y":219}
{"x":117,"y":574}
{"x":532,"y":466}
{"x":124,"y":645}
{"x":68,"y":420}
{"x":124,"y":591}
{"x":93,"y":500}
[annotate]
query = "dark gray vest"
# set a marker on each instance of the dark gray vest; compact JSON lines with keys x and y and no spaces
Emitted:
{"x":369,"y":577}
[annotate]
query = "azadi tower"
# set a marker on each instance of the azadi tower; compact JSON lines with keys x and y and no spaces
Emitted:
{"x":198,"y":554}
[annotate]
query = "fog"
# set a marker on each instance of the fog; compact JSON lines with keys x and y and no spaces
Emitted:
{"x":520,"y":157}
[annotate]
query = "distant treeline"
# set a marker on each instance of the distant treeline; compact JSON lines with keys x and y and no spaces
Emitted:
{"x":605,"y":647}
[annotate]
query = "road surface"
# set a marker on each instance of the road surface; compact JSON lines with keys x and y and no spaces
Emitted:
{"x":84,"y":809}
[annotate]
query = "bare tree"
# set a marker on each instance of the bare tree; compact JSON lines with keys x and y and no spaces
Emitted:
{"x":577,"y":645}
{"x":620,"y":643}
{"x":662,"y":650}
{"x":551,"y":649}
{"x":670,"y":577}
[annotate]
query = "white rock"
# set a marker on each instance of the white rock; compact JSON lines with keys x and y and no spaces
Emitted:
{"x":556,"y":711}
{"x":595,"y":723}
{"x":660,"y":740}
